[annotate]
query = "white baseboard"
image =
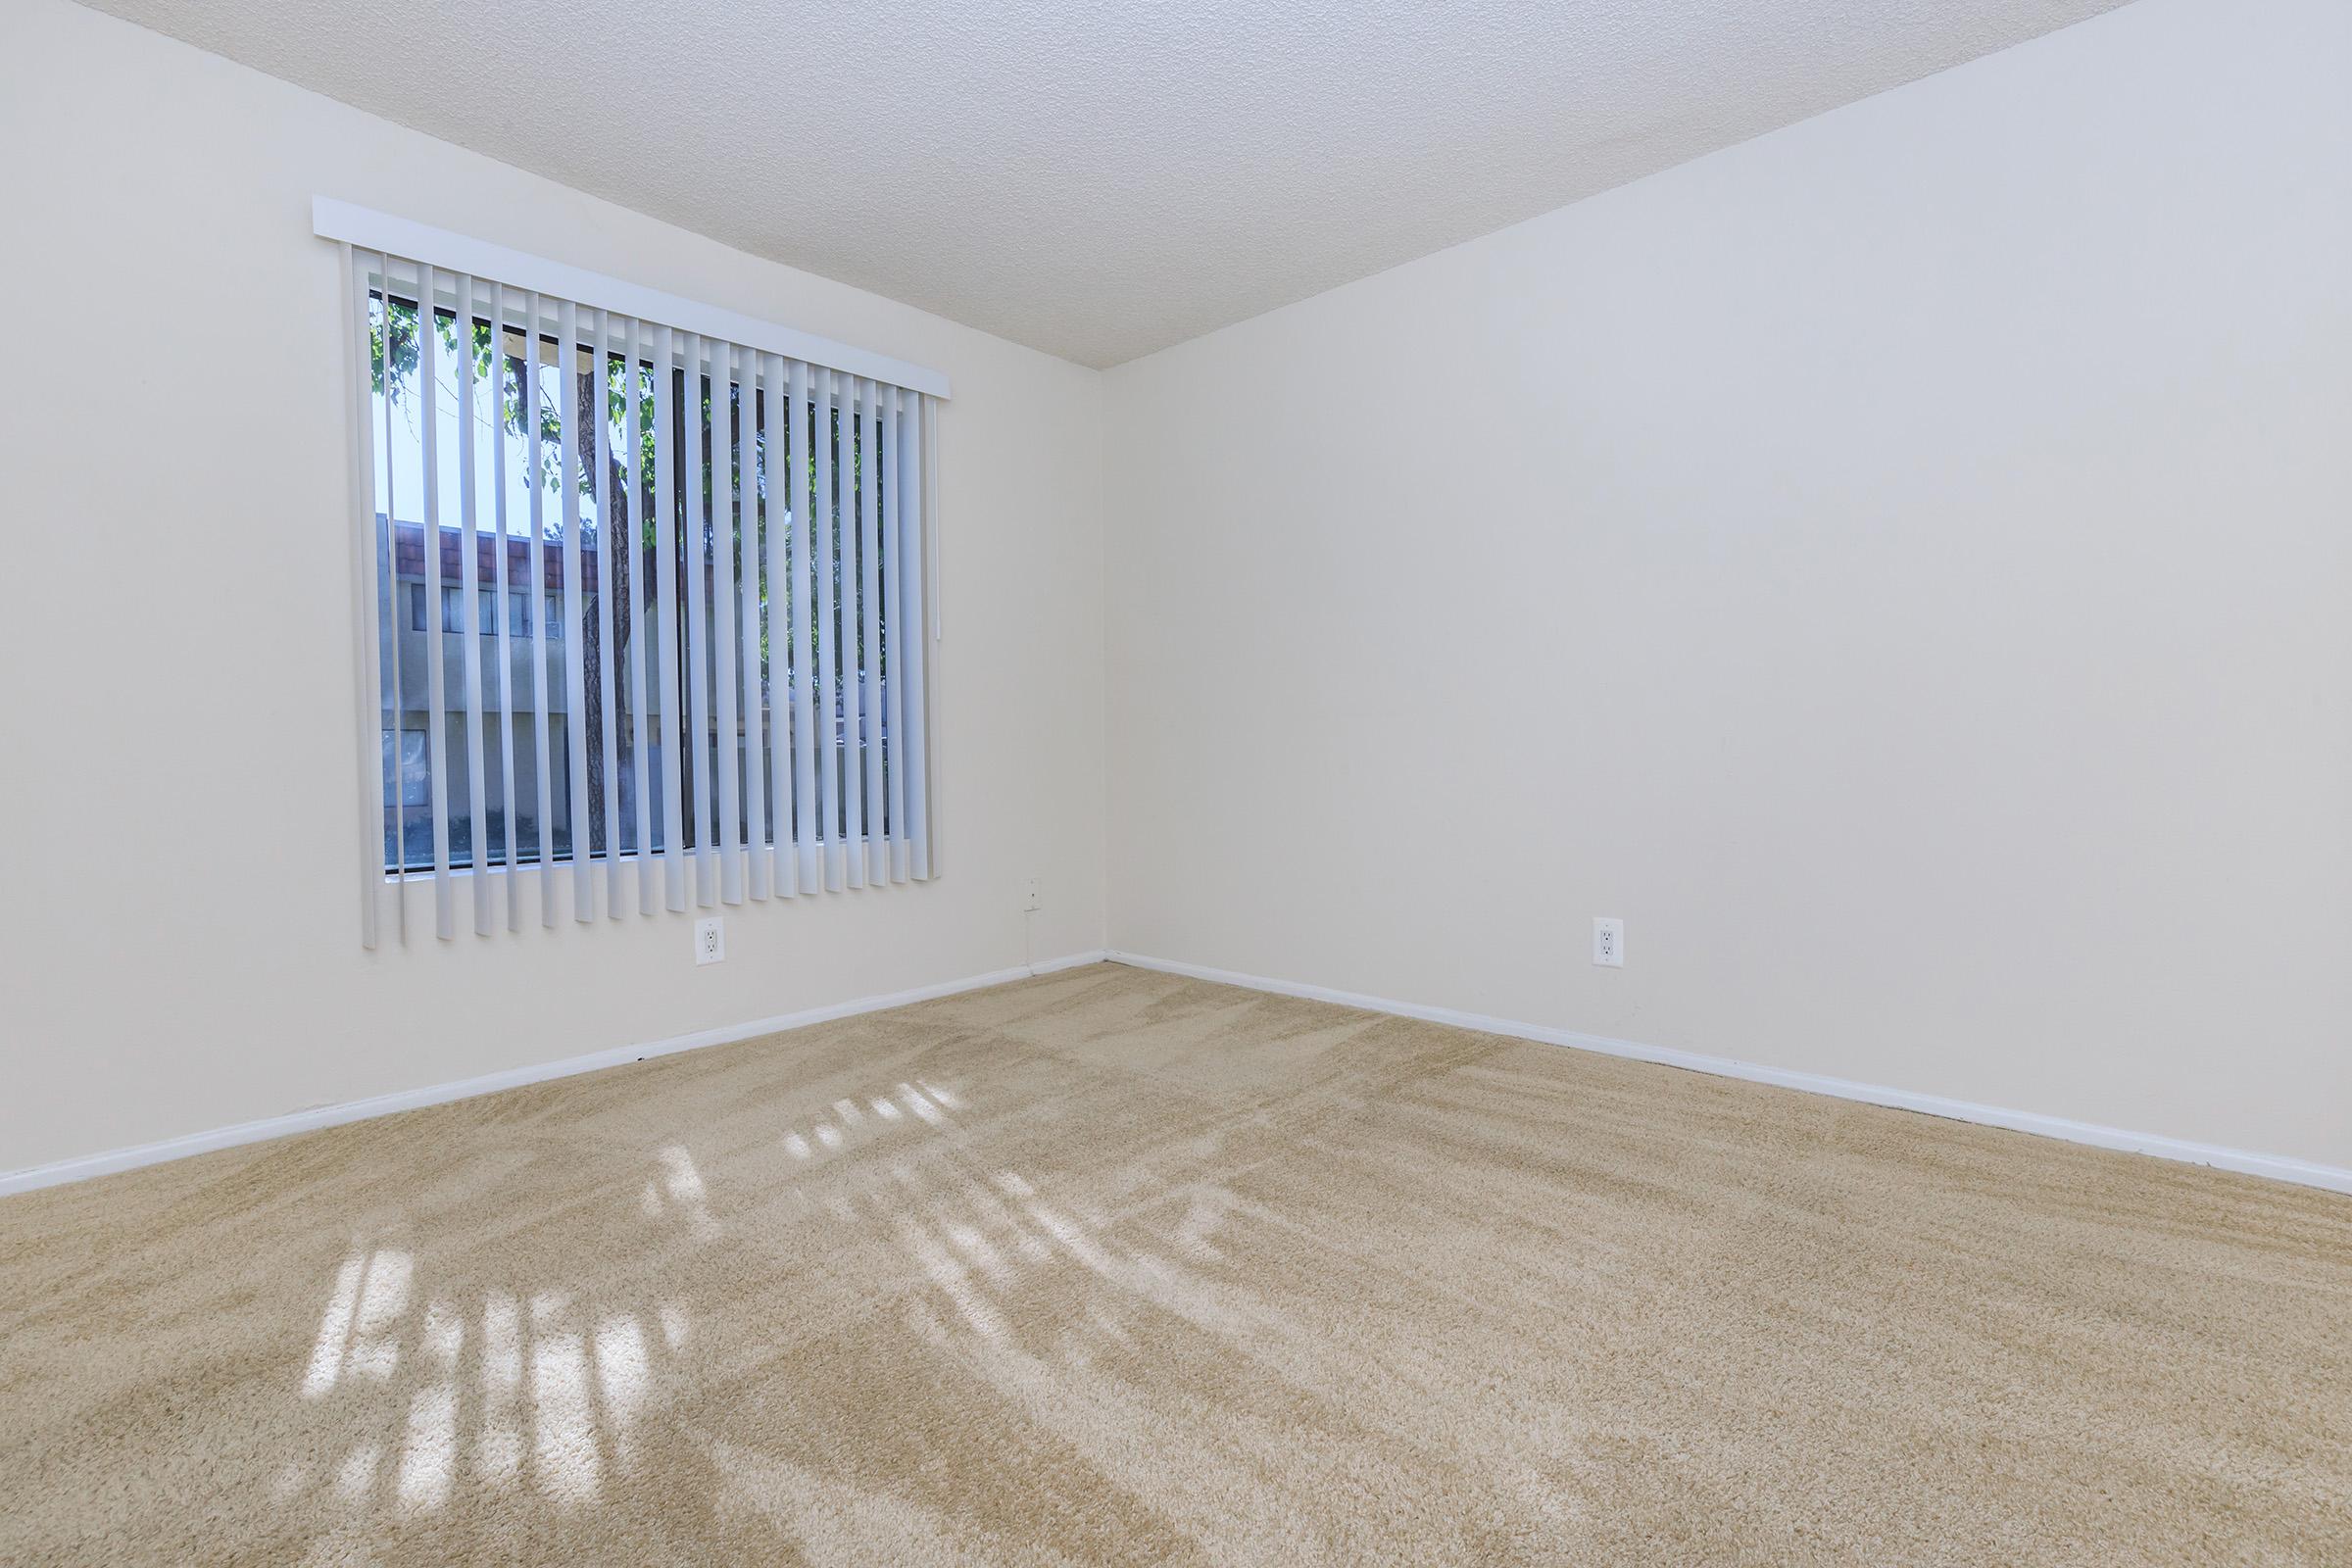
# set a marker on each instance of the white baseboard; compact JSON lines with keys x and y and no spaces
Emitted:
{"x":303,"y":1121}
{"x":2278,"y":1167}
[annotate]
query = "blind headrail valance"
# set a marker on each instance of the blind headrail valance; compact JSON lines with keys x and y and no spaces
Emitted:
{"x":366,"y":229}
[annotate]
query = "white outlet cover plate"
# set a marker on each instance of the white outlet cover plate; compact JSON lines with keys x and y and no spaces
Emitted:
{"x":710,"y":940}
{"x":1608,"y":942}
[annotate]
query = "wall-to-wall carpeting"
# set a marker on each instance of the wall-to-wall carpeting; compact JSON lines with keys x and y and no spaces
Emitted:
{"x":1115,"y":1266}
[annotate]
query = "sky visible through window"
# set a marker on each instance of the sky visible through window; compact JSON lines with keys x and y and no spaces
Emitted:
{"x":400,"y":450}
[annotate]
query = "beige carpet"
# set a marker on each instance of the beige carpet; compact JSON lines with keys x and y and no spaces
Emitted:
{"x":1116,"y":1267}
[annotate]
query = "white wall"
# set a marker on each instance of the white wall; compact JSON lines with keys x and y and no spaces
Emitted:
{"x":1903,"y":565}
{"x":1916,"y":544}
{"x":180,"y":946}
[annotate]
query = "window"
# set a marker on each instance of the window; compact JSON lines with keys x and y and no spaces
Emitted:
{"x":721,"y":695}
{"x":452,"y":623}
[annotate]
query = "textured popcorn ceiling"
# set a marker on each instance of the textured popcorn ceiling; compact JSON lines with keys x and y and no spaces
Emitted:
{"x":1098,"y":178}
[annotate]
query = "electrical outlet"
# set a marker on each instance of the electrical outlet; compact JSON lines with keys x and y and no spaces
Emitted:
{"x":1031,"y":903}
{"x":1608,"y":942}
{"x":710,"y":940}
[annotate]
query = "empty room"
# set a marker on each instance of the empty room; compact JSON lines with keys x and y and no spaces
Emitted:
{"x":1504,"y":782}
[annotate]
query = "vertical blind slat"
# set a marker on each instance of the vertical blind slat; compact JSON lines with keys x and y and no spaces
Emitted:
{"x":914,"y":473}
{"x":540,"y":607}
{"x":934,"y":592}
{"x":428,"y":385}
{"x":631,"y":608}
{"x":869,"y":617}
{"x":609,"y":537}
{"x":724,"y":654}
{"x":755,"y":863}
{"x":398,"y":613}
{"x":666,"y":588}
{"x":505,"y":601}
{"x":784,"y":858}
{"x":575,"y":682}
{"x":697,"y":650}
{"x":854,"y":478}
{"x":893,"y":622}
{"x":828,"y":633}
{"x":469,"y":589}
{"x":369,"y":689}
{"x":802,"y":598}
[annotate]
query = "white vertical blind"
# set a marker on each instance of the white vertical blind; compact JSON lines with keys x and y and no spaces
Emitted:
{"x":368,"y":572}
{"x":869,"y":620}
{"x":919,"y":631}
{"x":726,"y":658}
{"x":540,"y":604}
{"x":507,"y":589}
{"x":749,"y":579}
{"x":776,"y":498}
{"x":392,"y":613}
{"x":576,"y":665}
{"x":436,"y":734}
{"x":612,"y":539}
{"x":799,"y":612}
{"x":850,"y":484}
{"x":469,"y":576}
{"x":825,"y":607}
{"x":700,"y":745}
{"x":894,"y":621}
{"x":690,"y":632}
{"x":643,"y":672}
{"x":750,"y":626}
{"x":672,"y":689}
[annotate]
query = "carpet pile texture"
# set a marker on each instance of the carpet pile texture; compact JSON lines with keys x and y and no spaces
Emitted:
{"x":1117,"y":1267}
